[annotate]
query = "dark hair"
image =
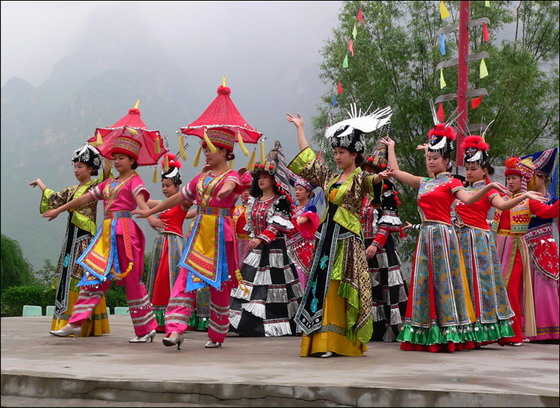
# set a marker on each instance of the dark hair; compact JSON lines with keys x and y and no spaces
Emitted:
{"x":488,"y":167}
{"x":359,"y":159}
{"x":256,"y":191}
{"x":135,"y":164}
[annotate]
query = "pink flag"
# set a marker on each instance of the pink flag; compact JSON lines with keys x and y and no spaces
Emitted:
{"x":441,"y":113}
{"x":339,"y":88}
{"x":475,"y":102}
{"x":360,"y":16}
{"x":485,"y":32}
{"x":351,"y":46}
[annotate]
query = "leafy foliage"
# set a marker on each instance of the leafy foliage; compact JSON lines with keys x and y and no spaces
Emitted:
{"x":15,"y":297}
{"x":396,"y":54}
{"x":15,"y":270}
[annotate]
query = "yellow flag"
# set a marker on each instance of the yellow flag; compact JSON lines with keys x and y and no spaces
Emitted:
{"x":224,"y":81}
{"x":443,"y":10}
{"x":483,"y":70}
{"x":442,"y":83}
{"x":487,"y":3}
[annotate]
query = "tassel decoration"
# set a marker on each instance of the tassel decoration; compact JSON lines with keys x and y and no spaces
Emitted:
{"x":251,"y":162}
{"x":154,"y":179}
{"x":166,"y":163}
{"x":157,"y":149}
{"x":209,"y":142}
{"x":98,"y":141}
{"x":241,"y":144}
{"x":182,"y":148}
{"x":197,"y":156}
{"x":230,"y":163}
{"x":262,"y":151}
{"x":132,"y":131}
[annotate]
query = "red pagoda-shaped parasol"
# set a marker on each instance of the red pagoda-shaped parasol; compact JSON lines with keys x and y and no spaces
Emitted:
{"x":221,"y":113}
{"x":131,"y":125}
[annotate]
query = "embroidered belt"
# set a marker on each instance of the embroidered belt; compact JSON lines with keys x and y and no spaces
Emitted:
{"x":220,"y":212}
{"x":243,"y":236}
{"x":117,"y":214}
{"x":427,"y":223}
{"x":509,"y":233}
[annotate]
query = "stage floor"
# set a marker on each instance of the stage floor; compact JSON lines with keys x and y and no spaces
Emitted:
{"x":263,"y":372}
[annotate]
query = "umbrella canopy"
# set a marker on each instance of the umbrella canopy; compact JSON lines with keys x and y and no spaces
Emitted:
{"x":131,"y":125}
{"x":222,"y":113}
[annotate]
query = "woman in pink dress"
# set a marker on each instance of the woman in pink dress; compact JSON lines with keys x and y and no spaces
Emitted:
{"x":210,"y":256}
{"x":117,"y":251}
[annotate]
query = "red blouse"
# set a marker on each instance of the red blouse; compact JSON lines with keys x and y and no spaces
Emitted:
{"x":174,"y":218}
{"x":475,"y":215}
{"x":436,"y":196}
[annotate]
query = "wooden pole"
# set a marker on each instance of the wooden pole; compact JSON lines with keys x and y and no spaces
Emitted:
{"x":462,"y":77}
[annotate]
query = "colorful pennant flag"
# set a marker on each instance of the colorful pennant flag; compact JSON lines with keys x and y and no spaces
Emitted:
{"x":360,"y":16}
{"x":443,"y":10}
{"x":441,"y":113}
{"x":334,"y":101}
{"x":485,"y":32}
{"x":351,"y":46}
{"x":475,"y":102}
{"x":483,"y":70}
{"x":442,"y":43}
{"x":442,"y":83}
{"x":345,"y":62}
{"x":339,"y":88}
{"x":355,"y":31}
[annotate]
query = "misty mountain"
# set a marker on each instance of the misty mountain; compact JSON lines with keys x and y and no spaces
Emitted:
{"x":118,"y":61}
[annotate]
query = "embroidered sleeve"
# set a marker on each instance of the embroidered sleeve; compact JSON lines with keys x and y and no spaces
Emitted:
{"x":234,"y":176}
{"x":97,"y":191}
{"x":51,"y":199}
{"x":456,"y":185}
{"x":278,"y":220}
{"x":307,"y":166}
{"x":490,"y":196}
{"x":368,"y":186}
{"x":189,"y":191}
{"x":381,"y":237}
{"x":137,"y":187}
{"x":249,"y":227}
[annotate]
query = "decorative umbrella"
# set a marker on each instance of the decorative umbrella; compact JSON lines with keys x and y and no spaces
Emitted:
{"x":221,"y":113}
{"x":131,"y":125}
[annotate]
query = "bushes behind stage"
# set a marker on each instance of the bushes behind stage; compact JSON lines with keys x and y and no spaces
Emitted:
{"x":15,"y":297}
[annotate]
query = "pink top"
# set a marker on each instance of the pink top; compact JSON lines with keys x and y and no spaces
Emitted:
{"x":436,"y":196}
{"x":475,"y":215}
{"x":207,"y":197}
{"x":120,"y":195}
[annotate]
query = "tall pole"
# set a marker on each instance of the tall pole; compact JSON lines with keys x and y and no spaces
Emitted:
{"x":462,"y":77}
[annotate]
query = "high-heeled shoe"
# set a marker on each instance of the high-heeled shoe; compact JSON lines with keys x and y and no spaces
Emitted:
{"x":67,"y":331}
{"x":172,"y":341}
{"x":212,"y":344}
{"x":144,"y":339}
{"x":328,"y":354}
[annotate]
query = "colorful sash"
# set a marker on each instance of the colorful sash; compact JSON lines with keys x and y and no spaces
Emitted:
{"x":101,"y":258}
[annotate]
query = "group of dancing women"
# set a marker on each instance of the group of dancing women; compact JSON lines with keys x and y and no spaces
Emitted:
{"x":259,"y":261}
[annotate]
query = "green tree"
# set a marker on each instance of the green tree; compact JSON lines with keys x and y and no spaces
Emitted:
{"x":15,"y":270}
{"x":396,"y":54}
{"x":45,"y":276}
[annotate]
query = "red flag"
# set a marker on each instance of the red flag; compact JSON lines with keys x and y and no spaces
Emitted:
{"x":475,"y":102}
{"x":339,"y":88}
{"x":485,"y":32}
{"x":351,"y":47}
{"x":441,"y":113}
{"x":360,"y":17}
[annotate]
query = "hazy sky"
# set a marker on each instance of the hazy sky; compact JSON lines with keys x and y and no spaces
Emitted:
{"x":35,"y":35}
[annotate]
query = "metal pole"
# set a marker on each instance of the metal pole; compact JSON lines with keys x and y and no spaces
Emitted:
{"x":462,"y":77}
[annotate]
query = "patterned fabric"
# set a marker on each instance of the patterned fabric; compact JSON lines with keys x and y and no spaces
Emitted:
{"x":268,"y":273}
{"x":300,"y":249}
{"x":126,"y":145}
{"x":543,"y":253}
{"x":340,"y":239}
{"x":436,"y":196}
{"x":389,"y":292}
